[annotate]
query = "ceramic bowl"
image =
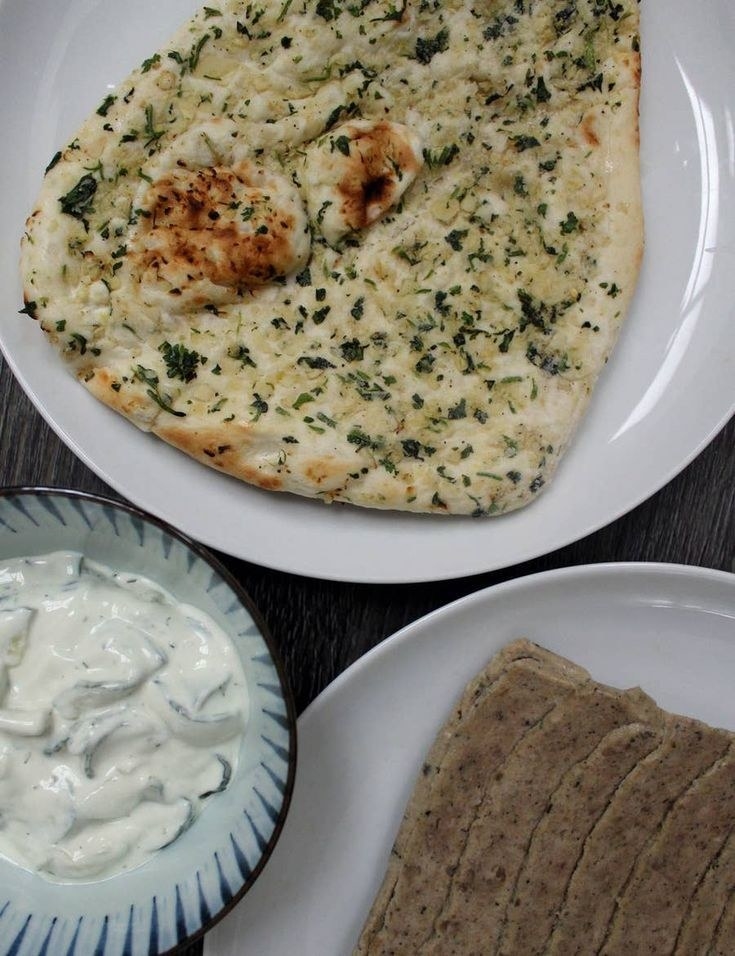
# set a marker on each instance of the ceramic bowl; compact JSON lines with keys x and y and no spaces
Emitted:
{"x":186,"y":887}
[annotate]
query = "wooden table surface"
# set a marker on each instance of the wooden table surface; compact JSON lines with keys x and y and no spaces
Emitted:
{"x":321,"y":627}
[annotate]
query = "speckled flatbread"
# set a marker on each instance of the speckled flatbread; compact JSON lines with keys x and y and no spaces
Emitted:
{"x":555,"y":815}
{"x":371,"y":252}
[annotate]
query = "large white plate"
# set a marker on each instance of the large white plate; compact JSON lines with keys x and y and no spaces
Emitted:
{"x":666,"y":393}
{"x":667,"y":628}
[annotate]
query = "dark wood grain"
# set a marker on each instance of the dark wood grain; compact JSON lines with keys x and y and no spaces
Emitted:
{"x":321,"y":627}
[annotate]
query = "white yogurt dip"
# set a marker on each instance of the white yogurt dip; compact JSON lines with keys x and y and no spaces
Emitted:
{"x":121,"y":714}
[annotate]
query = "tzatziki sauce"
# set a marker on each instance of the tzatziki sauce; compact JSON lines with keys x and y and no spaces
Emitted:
{"x":121,"y":715}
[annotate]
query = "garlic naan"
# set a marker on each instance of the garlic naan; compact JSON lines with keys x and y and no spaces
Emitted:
{"x":373,"y":251}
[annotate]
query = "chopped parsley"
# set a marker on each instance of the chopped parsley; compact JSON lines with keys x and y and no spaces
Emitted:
{"x":426,"y":49}
{"x":342,"y":143}
{"x":78,"y":201}
{"x":455,"y":237}
{"x":259,"y":406}
{"x":458,"y":411}
{"x":242,"y":354}
{"x":181,"y":363}
{"x":522,"y":143}
{"x":150,"y":379}
{"x":352,"y":351}
{"x":569,"y":225}
{"x":328,"y":10}
{"x":314,"y":362}
{"x":440,"y":157}
{"x":54,"y":160}
{"x":102,"y":110}
{"x":30,"y":308}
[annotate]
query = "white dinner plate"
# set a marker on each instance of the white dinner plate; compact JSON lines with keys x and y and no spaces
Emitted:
{"x":665,"y":394}
{"x":667,"y":628}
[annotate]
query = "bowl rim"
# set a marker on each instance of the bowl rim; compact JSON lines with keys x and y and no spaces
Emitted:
{"x":244,"y":597}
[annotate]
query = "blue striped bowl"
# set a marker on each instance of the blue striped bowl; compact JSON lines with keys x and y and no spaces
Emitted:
{"x":186,"y":887}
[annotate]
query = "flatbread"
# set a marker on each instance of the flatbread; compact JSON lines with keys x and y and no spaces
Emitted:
{"x":375,"y":252}
{"x":557,"y":815}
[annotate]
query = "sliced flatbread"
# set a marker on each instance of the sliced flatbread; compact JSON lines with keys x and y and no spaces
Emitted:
{"x":555,"y":815}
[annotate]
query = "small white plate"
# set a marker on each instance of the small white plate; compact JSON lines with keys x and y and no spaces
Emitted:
{"x":667,"y":628}
{"x":666,"y":393}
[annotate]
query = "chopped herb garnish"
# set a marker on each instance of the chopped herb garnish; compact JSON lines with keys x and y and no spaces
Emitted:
{"x":342,"y":143}
{"x":259,"y":406}
{"x":327,"y":9}
{"x":352,"y":351}
{"x":455,"y":237}
{"x":546,"y":361}
{"x":54,"y":160}
{"x":152,"y":134}
{"x":440,"y":157}
{"x":78,"y":201}
{"x":105,"y":105}
{"x":181,"y":363}
{"x":314,"y":361}
{"x":283,"y":12}
{"x":150,"y":62}
{"x":196,"y":51}
{"x":358,"y":437}
{"x":337,"y":112}
{"x":522,"y":143}
{"x":425,"y":363}
{"x":541,"y":91}
{"x":458,"y":411}
{"x":150,"y":379}
{"x":594,"y":84}
{"x":30,"y":308}
{"x":242,"y":354}
{"x":426,"y":49}
{"x":569,"y":225}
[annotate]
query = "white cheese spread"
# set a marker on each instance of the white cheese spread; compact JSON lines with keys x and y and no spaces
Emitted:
{"x":121,"y":714}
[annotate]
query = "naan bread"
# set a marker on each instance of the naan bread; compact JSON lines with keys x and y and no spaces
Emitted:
{"x":557,"y":816}
{"x":373,"y":251}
